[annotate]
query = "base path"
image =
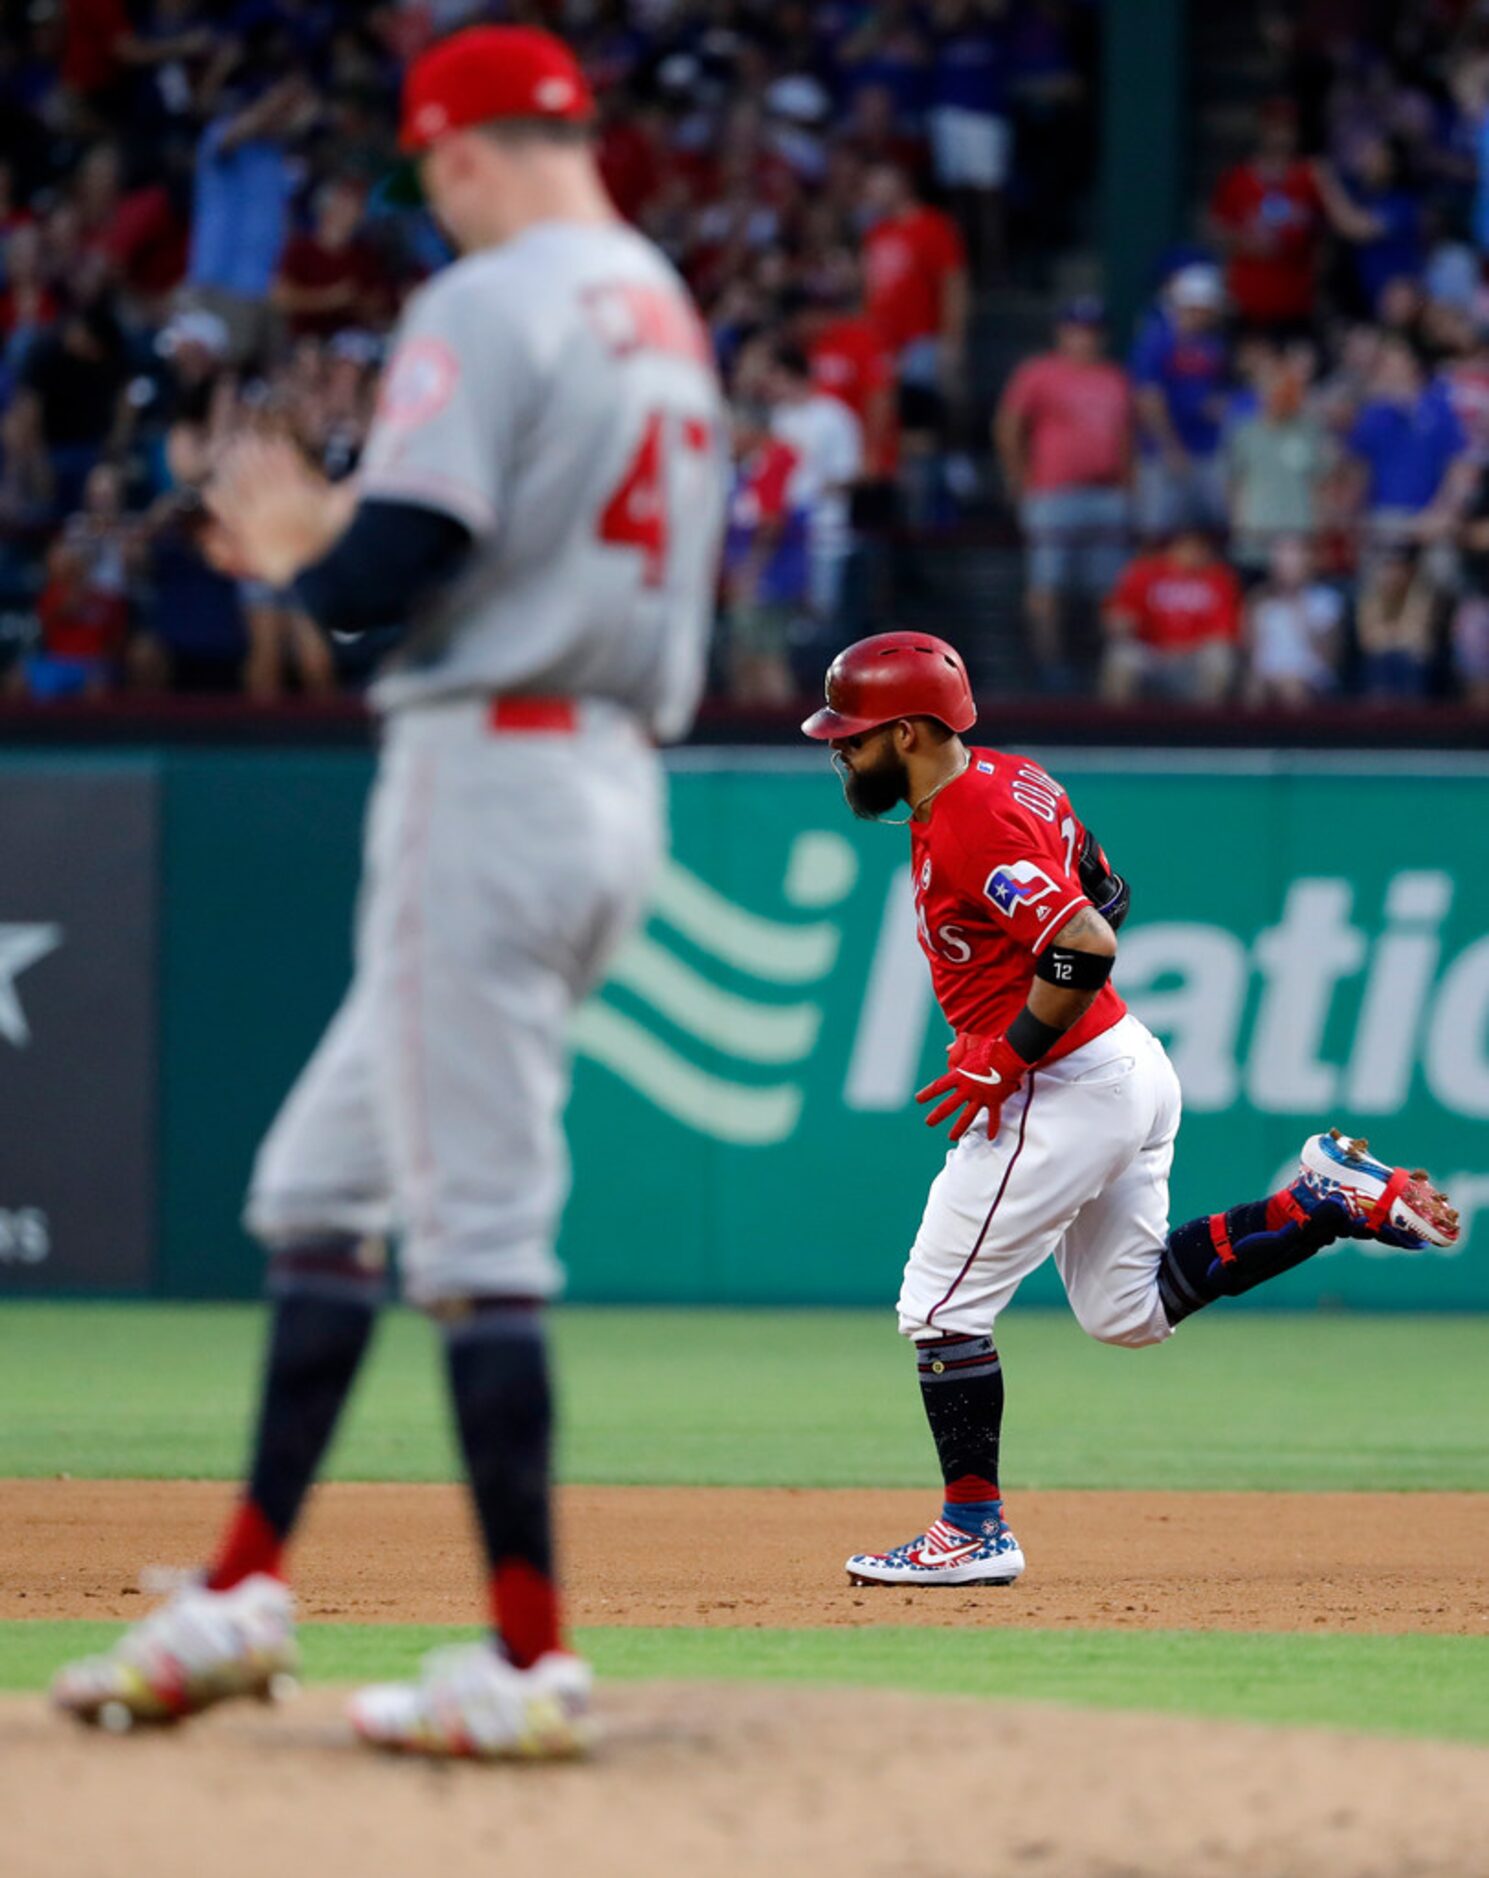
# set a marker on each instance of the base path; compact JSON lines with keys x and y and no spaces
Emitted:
{"x":745,"y":1556}
{"x":731,"y":1781}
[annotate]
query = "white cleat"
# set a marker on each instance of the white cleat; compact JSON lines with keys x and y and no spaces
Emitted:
{"x":1382,"y":1202}
{"x":199,"y":1648}
{"x":471,"y":1704}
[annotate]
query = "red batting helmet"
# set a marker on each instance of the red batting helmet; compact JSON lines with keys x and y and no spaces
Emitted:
{"x":893,"y":675}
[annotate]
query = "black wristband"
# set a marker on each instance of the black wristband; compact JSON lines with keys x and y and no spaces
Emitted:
{"x":1071,"y":970}
{"x":1031,"y":1037}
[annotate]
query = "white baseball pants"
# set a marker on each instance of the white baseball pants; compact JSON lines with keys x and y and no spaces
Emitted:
{"x":501,"y":870}
{"x":1078,"y":1170}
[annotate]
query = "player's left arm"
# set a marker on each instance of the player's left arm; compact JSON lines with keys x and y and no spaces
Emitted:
{"x":1071,"y":971}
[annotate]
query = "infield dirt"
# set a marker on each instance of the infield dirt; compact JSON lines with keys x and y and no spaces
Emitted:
{"x":730,"y":1780}
{"x":744,"y":1556}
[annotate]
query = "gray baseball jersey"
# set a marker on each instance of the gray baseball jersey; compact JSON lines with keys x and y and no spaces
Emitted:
{"x":557,"y":396}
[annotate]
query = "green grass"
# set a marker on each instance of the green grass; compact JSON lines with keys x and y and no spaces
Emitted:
{"x":1435,"y":1686}
{"x":786,"y":1398}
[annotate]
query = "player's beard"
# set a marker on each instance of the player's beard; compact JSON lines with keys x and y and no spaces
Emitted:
{"x":873,"y":790}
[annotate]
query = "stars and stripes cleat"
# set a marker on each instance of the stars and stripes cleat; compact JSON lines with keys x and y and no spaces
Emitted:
{"x":471,"y":1704}
{"x":944,"y":1555}
{"x":1377,"y":1201}
{"x":199,"y":1648}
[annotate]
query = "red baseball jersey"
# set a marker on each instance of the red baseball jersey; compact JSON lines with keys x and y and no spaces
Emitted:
{"x":995,"y":878}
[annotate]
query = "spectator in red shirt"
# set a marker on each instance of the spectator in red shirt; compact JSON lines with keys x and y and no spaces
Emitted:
{"x":1064,"y":433}
{"x":916,"y":270}
{"x":135,"y":233}
{"x":1172,"y":625}
{"x":766,"y":570}
{"x":1268,"y":215}
{"x":96,"y":37}
{"x":83,"y":610}
{"x":915,"y":266}
{"x":851,"y":362}
{"x":328,"y":279}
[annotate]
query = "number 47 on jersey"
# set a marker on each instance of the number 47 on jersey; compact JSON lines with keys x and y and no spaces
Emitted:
{"x":635,"y":515}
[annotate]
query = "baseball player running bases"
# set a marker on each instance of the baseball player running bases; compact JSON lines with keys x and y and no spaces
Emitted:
{"x":540,"y":503}
{"x":1062,"y":1106}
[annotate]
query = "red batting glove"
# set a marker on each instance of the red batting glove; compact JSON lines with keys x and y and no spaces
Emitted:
{"x":983,"y":1073}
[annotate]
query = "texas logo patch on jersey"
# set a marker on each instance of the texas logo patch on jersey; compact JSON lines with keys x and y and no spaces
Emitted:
{"x":1022,"y":884}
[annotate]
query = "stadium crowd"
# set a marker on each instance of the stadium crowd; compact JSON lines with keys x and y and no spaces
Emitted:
{"x":195,"y":234}
{"x":1281,"y":494}
{"x":1278,"y":493}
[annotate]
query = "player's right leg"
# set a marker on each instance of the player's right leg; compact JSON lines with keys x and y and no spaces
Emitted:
{"x":319,"y":1203}
{"x":996,"y":1211}
{"x":1132,"y":1278}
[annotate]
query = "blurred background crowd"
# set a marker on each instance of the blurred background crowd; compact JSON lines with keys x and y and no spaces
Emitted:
{"x":1274,"y":491}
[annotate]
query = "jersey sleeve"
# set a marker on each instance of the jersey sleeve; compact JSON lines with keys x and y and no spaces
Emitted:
{"x":1022,"y":867}
{"x":451,"y":408}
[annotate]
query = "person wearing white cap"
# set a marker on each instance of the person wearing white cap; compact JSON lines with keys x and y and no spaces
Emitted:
{"x":1180,"y":369}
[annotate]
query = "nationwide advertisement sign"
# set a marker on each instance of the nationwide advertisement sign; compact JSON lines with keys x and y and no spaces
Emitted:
{"x":77,"y":1028}
{"x":1310,"y":940}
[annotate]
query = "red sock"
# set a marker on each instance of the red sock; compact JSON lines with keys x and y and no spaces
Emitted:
{"x":249,"y":1545}
{"x":524,"y":1610}
{"x":971,"y":1490}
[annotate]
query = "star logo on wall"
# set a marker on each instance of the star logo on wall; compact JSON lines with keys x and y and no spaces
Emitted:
{"x":20,"y":947}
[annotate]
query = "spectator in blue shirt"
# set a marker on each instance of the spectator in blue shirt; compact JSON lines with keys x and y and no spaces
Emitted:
{"x":1413,"y":467}
{"x":1379,"y":217}
{"x":887,"y":47}
{"x":970,"y":134}
{"x":241,"y":216}
{"x":1181,"y":374}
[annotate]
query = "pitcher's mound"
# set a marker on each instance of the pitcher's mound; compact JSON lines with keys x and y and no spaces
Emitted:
{"x":722,"y":1780}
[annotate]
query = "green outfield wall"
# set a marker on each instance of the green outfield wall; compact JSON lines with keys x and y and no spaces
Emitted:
{"x":1312,"y":942}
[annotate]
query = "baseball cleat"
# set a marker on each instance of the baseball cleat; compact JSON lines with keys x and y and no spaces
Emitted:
{"x":470,"y":1703}
{"x":199,"y":1648}
{"x":1378,"y":1201}
{"x":943,"y":1555}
